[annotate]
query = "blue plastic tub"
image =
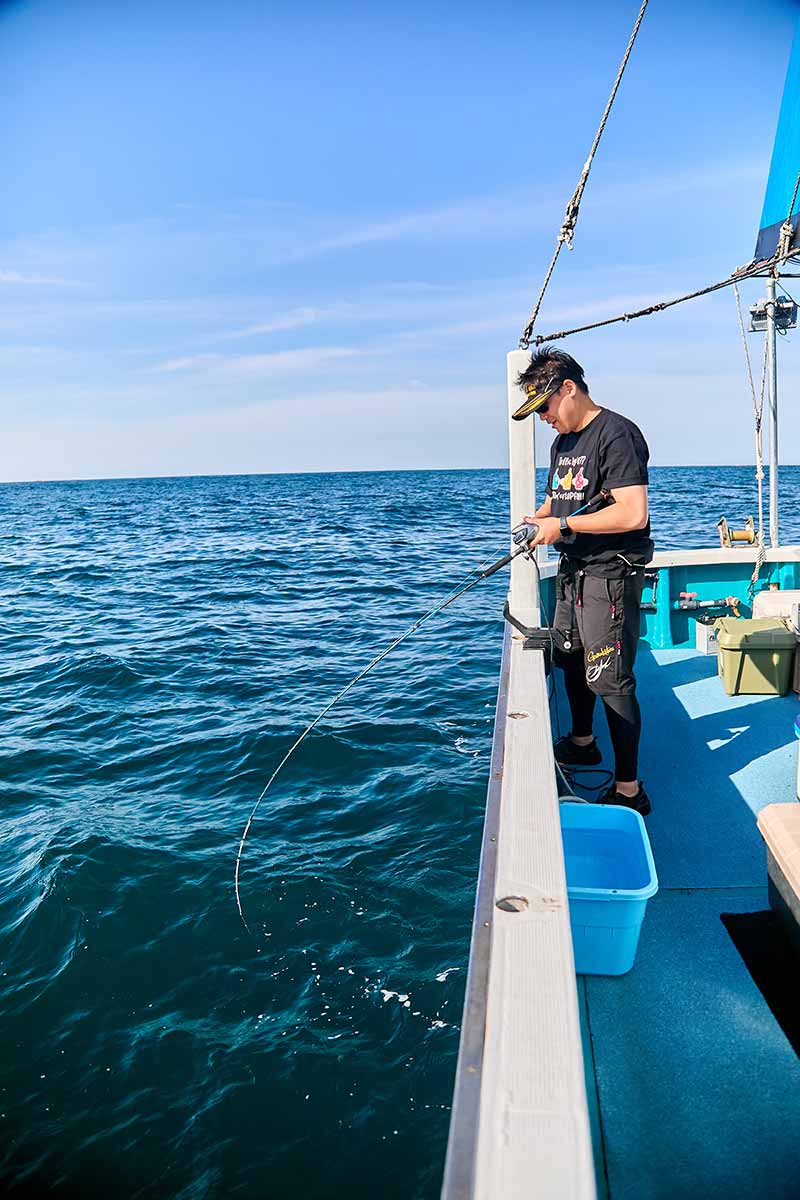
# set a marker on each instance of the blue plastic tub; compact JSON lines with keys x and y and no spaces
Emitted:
{"x":610,"y":877}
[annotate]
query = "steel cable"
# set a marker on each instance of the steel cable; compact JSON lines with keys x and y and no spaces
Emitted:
{"x":573,"y":207}
{"x":745,"y":273}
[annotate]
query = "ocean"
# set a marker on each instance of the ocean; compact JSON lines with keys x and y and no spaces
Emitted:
{"x":162,"y":643}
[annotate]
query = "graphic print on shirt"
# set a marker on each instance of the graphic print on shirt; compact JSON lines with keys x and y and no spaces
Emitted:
{"x":609,"y":452}
{"x":569,"y":481}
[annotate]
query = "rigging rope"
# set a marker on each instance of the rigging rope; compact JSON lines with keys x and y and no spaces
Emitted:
{"x":573,"y":207}
{"x":782,"y":254}
{"x":755,"y":268}
{"x":758,"y":411}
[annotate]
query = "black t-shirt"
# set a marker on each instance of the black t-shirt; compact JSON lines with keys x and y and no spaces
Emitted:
{"x":610,"y":452}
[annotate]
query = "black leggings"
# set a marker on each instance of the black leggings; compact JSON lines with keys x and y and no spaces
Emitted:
{"x":622,"y":713}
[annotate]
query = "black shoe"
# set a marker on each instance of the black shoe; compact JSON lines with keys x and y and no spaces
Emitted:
{"x":639,"y":802}
{"x":570,"y":755}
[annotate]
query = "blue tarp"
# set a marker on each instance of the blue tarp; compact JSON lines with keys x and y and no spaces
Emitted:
{"x":785,"y":161}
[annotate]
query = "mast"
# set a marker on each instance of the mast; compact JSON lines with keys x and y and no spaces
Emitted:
{"x":777,"y":233}
{"x":772,"y":376}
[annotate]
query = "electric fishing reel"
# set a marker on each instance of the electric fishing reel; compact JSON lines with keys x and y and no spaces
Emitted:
{"x":535,"y":638}
{"x":523,"y":534}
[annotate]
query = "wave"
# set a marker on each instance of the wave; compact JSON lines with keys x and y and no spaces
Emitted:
{"x":162,"y":644}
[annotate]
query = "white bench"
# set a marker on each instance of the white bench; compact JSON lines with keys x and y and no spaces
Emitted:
{"x":779,"y":825}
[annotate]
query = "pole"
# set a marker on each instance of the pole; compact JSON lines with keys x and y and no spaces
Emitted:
{"x":521,"y":595}
{"x":772,"y":375}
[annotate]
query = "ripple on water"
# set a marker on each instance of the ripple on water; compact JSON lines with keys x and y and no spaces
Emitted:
{"x":162,"y":643}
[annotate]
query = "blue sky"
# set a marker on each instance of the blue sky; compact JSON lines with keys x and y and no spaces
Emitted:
{"x":279,"y":237}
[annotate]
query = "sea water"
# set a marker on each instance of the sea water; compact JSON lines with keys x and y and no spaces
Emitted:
{"x":162,"y":643}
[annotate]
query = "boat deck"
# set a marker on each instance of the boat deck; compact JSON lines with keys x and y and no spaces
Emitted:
{"x":693,"y":1085}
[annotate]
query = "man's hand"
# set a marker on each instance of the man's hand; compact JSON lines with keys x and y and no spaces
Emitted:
{"x":549,"y":530}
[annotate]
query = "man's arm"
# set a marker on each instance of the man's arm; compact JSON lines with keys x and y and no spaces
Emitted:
{"x":629,"y":511}
{"x":542,"y":511}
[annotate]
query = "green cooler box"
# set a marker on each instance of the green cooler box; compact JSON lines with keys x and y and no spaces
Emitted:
{"x":755,"y":657}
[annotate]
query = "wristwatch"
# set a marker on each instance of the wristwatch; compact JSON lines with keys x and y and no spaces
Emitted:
{"x":566,"y":532}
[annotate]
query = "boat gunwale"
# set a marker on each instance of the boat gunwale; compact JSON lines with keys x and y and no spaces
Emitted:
{"x":462,"y":1144}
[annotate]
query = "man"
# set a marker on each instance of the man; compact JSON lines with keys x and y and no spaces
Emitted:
{"x":603,"y":554}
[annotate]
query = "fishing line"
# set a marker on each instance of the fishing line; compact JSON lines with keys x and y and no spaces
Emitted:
{"x":522,"y":535}
{"x":468,"y":582}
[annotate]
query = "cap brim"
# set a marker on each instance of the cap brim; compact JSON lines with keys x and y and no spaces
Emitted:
{"x":531,"y":405}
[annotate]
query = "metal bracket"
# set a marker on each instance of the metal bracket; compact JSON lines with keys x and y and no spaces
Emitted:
{"x":536,"y":638}
{"x":651,"y":577}
{"x":785,"y":311}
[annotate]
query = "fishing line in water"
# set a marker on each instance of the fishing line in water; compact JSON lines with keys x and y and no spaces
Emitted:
{"x":522,"y":535}
{"x":464,"y":585}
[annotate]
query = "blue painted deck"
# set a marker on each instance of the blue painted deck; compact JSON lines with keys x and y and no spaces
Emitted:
{"x":695,"y":1087}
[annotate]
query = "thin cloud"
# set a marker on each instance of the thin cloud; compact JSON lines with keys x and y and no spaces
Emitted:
{"x":17,"y":278}
{"x":524,"y":210}
{"x":417,"y":303}
{"x":189,"y":362}
{"x":418,"y":323}
{"x":493,"y":214}
{"x":307,"y":358}
{"x":295,"y":319}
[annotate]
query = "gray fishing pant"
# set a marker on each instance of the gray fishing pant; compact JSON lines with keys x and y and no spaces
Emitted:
{"x":601,"y":618}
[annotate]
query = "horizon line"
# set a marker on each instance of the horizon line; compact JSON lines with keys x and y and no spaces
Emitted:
{"x":344,"y":471}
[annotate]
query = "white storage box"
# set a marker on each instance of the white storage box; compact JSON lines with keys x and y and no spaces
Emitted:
{"x":785,"y":602}
{"x":705,"y":638}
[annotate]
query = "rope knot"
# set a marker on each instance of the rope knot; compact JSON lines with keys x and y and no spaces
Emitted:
{"x":785,"y":239}
{"x":567,"y":231}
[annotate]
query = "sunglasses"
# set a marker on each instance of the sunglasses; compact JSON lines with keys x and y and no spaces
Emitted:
{"x":549,"y":390}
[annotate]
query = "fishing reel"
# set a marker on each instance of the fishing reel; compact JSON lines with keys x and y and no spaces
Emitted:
{"x":524,"y":533}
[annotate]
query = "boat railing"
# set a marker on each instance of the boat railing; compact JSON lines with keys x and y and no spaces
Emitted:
{"x":520,"y":1122}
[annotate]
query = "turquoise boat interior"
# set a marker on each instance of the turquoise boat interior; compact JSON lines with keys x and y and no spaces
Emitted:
{"x":678,"y":1077}
{"x":692,"y":1078}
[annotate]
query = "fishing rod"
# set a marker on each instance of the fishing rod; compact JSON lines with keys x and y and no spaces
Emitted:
{"x":523,"y":535}
{"x":462,"y":588}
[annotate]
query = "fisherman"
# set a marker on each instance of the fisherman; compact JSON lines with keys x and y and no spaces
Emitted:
{"x":603,"y":555}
